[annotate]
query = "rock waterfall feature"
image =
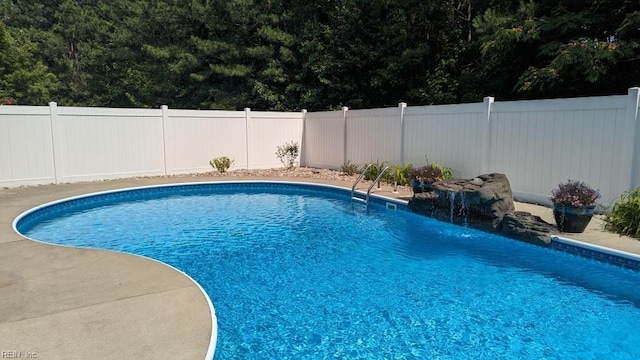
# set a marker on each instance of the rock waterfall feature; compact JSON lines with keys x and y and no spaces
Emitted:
{"x":485,"y":203}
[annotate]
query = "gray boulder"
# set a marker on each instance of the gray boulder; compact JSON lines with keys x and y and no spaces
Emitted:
{"x":523,"y":226}
{"x":485,"y":203}
{"x":480,"y":202}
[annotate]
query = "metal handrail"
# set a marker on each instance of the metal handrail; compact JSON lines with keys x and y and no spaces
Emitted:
{"x":377,"y":180}
{"x":353,"y":188}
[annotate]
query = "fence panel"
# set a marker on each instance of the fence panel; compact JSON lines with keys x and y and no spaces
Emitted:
{"x":26,"y":148}
{"x":101,"y":143}
{"x":323,"y":143}
{"x":451,"y":135}
{"x":194,"y":137}
{"x":374,"y":135}
{"x":633,"y":121}
{"x":539,"y":144}
{"x":268,"y":130}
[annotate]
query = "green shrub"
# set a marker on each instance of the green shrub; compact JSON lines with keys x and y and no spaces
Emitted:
{"x":398,"y":173}
{"x":401,"y":174}
{"x":431,"y":173}
{"x":350,"y":168}
{"x":374,"y":170}
{"x":288,"y":153}
{"x":624,"y":219}
{"x":222,"y":163}
{"x":447,"y":172}
{"x":406,"y":173}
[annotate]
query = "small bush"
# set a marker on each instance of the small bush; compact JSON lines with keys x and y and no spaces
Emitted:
{"x":428,"y":174}
{"x":222,"y":163}
{"x":406,"y":173}
{"x":288,"y":153}
{"x":447,"y":172}
{"x":350,"y":168}
{"x":374,"y":170}
{"x":401,"y":174}
{"x":431,"y":172}
{"x":624,"y":219}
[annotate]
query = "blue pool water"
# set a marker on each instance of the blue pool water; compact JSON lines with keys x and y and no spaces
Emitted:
{"x":301,"y":273}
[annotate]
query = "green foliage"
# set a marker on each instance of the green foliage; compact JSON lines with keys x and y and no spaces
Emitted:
{"x":277,"y":55}
{"x":374,"y":170}
{"x":349,"y":168}
{"x":446,"y":172}
{"x":434,"y":171}
{"x":23,"y":79}
{"x":399,"y":174}
{"x":245,"y":55}
{"x":288,"y":153}
{"x":222,"y":163}
{"x":624,"y":218}
{"x":544,"y":49}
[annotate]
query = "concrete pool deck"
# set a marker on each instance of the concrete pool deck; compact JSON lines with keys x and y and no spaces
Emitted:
{"x":66,"y":303}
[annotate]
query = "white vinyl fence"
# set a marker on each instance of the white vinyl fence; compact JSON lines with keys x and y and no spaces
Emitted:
{"x":451,"y":135}
{"x":193,"y":137}
{"x":537,"y":144}
{"x":324,"y":142}
{"x":94,"y":144}
{"x":542,"y":143}
{"x":26,"y":146}
{"x":51,"y":144}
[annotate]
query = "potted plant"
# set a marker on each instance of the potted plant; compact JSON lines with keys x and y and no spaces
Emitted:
{"x":574,"y":203}
{"x":423,"y":177}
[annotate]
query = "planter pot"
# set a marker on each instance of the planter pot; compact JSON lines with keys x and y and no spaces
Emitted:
{"x":420,"y":186}
{"x":572,"y":219}
{"x":415,"y":185}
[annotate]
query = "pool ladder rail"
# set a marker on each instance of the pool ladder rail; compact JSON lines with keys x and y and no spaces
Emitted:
{"x":376,"y":181}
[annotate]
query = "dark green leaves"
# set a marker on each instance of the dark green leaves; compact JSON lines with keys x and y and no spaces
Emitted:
{"x":288,"y":55}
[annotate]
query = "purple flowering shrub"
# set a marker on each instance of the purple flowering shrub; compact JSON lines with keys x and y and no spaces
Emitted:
{"x":574,"y":193}
{"x":429,"y":173}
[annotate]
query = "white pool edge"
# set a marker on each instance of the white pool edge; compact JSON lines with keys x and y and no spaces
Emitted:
{"x":214,"y":320}
{"x":595,"y":247}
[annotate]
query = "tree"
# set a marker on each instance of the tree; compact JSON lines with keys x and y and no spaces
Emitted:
{"x":379,"y":52}
{"x":148,"y":63}
{"x":565,"y":48}
{"x":245,"y":55}
{"x":23,"y":78}
{"x":288,"y":54}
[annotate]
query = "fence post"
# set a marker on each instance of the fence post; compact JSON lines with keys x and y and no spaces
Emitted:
{"x":165,"y":118}
{"x":344,"y":133}
{"x":247,"y":116}
{"x":487,"y":138}
{"x":303,"y":151}
{"x":632,"y":137}
{"x":56,"y":146}
{"x":401,"y":107}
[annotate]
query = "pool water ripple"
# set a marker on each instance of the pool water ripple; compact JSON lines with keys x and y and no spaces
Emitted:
{"x":308,"y":275}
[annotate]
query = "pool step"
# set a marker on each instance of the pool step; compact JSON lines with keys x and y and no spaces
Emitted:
{"x":358,"y":199}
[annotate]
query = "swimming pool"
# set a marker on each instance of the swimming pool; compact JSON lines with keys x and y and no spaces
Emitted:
{"x":297,"y":271}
